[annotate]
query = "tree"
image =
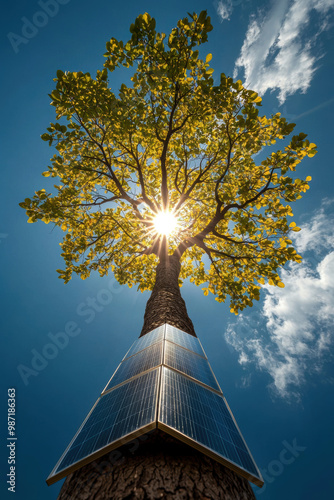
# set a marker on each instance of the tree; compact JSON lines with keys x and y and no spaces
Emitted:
{"x":173,"y":143}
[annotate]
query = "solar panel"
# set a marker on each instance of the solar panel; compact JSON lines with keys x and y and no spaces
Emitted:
{"x":193,"y":412}
{"x":202,"y":415}
{"x":187,"y":362}
{"x":140,"y":362}
{"x":184,"y":339}
{"x":118,"y":413}
{"x":150,"y":338}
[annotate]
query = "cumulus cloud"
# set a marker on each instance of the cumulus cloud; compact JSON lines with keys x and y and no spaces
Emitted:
{"x":278,"y":53}
{"x":291,"y":336}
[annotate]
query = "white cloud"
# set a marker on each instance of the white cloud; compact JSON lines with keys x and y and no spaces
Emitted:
{"x":315,"y":231}
{"x":277,"y":53}
{"x":225,"y":9}
{"x":292,"y":334}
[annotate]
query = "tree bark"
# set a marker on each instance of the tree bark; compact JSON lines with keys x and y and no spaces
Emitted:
{"x":157,"y":465}
{"x":166,"y":304}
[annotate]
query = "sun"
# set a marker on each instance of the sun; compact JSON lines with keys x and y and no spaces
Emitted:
{"x":165,"y":223}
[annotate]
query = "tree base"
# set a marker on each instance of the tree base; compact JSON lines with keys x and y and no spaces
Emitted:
{"x":155,"y":466}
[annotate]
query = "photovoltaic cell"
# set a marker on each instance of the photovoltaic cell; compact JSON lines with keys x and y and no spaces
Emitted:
{"x":203,"y":416}
{"x":183,"y":339}
{"x":189,"y":363}
{"x":147,"y":340}
{"x":116,"y":414}
{"x":144,"y":360}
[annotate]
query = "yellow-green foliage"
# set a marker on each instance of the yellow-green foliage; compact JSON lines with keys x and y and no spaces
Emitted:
{"x":170,"y":139}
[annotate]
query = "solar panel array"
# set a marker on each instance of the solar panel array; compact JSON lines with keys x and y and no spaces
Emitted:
{"x":191,"y":405}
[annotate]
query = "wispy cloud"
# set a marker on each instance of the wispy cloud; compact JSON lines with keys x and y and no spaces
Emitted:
{"x":290,"y":337}
{"x":225,"y":9}
{"x":278,"y":52}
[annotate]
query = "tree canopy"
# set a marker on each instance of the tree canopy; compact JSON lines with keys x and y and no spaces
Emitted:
{"x":173,"y":140}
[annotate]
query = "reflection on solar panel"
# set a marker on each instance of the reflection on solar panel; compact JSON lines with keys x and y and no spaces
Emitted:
{"x":202,"y":415}
{"x":183,"y":339}
{"x":189,"y":363}
{"x":195,"y":413}
{"x":138,"y":363}
{"x":147,"y":340}
{"x":116,"y":414}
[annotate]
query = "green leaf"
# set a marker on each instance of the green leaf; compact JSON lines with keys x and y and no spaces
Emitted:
{"x":55,"y":95}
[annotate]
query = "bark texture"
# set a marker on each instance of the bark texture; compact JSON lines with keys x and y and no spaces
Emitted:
{"x":158,"y":467}
{"x":166,"y":304}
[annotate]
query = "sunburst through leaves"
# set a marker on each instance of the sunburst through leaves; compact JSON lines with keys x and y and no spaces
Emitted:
{"x":165,"y":223}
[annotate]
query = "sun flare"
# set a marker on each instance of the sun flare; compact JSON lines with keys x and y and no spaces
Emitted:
{"x":165,"y":223}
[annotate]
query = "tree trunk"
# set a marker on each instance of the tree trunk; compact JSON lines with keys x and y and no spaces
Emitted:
{"x":157,"y":465}
{"x":166,"y":304}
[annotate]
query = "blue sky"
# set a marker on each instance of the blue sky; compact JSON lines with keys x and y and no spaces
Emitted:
{"x":274,"y":361}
